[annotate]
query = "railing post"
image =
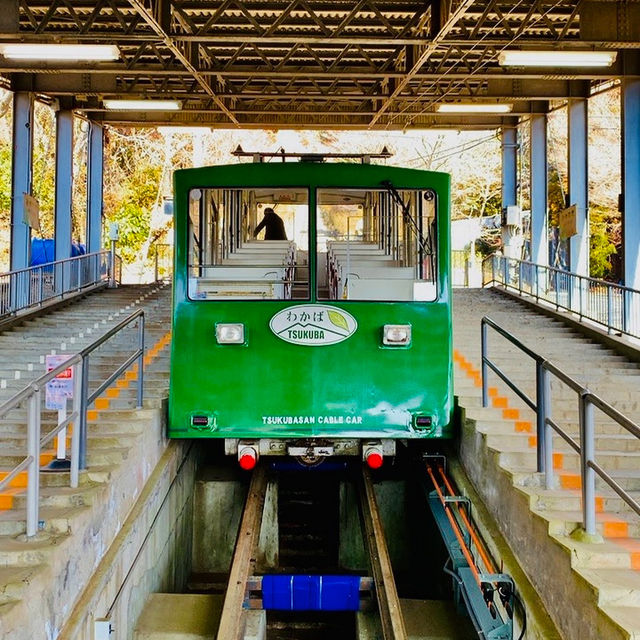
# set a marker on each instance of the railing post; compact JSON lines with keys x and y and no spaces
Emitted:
{"x":520,"y":286}
{"x":570,"y":296}
{"x":625,"y":310}
{"x":82,"y":420}
{"x":140,"y":361}
{"x":40,"y":287}
{"x":609,"y":308}
{"x":580,"y":296}
{"x":112,"y":277}
{"x":555,"y":277}
{"x":587,"y":455}
{"x":541,"y":415}
{"x":75,"y":434}
{"x":484,"y":367}
{"x":33,"y":470}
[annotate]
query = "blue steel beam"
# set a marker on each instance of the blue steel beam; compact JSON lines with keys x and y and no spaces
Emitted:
{"x":95,"y":166}
{"x":539,"y":189}
{"x":64,"y":183}
{"x":631,"y":181}
{"x":579,"y":185}
{"x":21,"y":177}
{"x":509,"y":181}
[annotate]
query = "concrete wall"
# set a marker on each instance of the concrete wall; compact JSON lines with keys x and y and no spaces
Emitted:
{"x":151,"y":552}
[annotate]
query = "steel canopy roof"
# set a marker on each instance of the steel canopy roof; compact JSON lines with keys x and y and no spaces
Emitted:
{"x":313,"y":64}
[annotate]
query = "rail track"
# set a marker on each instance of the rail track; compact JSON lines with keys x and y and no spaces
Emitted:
{"x":304,"y":591}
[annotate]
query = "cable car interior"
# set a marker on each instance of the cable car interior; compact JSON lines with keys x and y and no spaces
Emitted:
{"x":374,"y":244}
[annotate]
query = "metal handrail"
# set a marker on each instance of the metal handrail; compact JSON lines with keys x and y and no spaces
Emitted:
{"x":79,"y":362}
{"x":24,"y":289}
{"x":615,"y":307}
{"x":545,"y":425}
{"x":167,"y":260}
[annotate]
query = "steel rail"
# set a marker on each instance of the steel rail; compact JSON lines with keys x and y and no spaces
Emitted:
{"x":386,"y":593}
{"x":231,"y":623}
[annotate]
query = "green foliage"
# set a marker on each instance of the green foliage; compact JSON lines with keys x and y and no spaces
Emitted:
{"x":601,"y":222}
{"x":44,"y":167}
{"x":133,"y":212}
{"x":5,"y":183}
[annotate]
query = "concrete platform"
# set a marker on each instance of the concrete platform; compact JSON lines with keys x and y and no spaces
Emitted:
{"x":179,"y":616}
{"x":423,"y":619}
{"x":434,"y":620}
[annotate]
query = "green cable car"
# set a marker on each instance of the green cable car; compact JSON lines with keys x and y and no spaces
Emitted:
{"x":311,"y":308}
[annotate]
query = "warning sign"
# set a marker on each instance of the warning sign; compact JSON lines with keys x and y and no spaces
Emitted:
{"x":61,"y":387}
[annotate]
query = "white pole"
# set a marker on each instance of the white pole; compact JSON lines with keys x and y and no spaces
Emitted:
{"x":62,"y":435}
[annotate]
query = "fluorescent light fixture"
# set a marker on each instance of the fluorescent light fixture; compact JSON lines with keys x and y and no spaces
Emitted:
{"x":557,"y":58}
{"x":142,"y":105}
{"x":44,"y":51}
{"x":474,"y":107}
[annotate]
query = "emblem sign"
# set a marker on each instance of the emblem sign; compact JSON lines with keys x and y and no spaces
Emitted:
{"x":313,"y":325}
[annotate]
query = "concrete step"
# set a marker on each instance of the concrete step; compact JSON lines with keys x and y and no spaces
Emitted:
{"x":604,"y":442}
{"x":13,"y":457}
{"x":562,"y":500}
{"x":13,"y":580}
{"x":54,"y":520}
{"x":608,"y":460}
{"x":19,"y":552}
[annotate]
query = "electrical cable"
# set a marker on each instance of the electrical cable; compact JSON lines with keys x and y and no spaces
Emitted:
{"x":524,"y":615}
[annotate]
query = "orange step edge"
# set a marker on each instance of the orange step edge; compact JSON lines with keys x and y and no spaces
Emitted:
{"x":570,"y":481}
{"x":615,"y":529}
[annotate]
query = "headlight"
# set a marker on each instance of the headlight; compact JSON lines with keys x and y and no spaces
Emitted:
{"x":230,"y":333}
{"x":396,"y":335}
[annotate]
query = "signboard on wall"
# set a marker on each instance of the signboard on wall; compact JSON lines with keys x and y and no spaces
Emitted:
{"x":568,"y":222}
{"x":31,"y":211}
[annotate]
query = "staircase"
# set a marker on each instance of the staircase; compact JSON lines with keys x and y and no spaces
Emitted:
{"x":41,"y":578}
{"x":591,"y":589}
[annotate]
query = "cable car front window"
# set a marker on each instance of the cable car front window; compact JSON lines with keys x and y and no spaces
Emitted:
{"x":377,"y":244}
{"x":248,"y":244}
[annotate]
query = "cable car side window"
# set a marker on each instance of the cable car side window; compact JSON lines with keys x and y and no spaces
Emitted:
{"x":248,"y":244}
{"x":377,"y":244}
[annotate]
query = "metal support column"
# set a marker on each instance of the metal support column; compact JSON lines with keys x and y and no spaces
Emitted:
{"x":579,"y":185}
{"x":95,"y":166}
{"x":64,"y":183}
{"x":631,"y":181}
{"x":630,"y":94}
{"x":539,"y":189}
{"x":21,"y":177}
{"x":509,"y":183}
